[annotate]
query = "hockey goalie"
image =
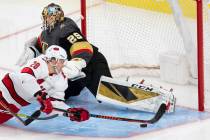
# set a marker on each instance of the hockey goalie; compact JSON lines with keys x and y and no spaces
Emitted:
{"x":140,"y":96}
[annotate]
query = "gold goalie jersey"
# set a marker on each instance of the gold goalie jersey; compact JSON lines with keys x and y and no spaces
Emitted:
{"x":135,"y":96}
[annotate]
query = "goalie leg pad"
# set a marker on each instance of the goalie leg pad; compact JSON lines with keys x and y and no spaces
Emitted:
{"x":135,"y":96}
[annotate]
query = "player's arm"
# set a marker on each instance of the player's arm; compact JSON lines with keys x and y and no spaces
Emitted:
{"x":81,"y":52}
{"x":32,"y":71}
{"x":80,"y":47}
{"x":56,"y":94}
{"x":74,"y":114}
{"x":48,"y":103}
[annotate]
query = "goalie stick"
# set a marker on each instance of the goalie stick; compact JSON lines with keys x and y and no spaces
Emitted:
{"x":153,"y":120}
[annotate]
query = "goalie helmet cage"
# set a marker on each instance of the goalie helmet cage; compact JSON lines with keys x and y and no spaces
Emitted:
{"x":132,"y":34}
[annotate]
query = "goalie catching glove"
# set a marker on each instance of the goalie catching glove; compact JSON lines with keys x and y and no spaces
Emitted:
{"x":77,"y":114}
{"x":29,"y":52}
{"x":45,"y":102}
{"x":73,"y":68}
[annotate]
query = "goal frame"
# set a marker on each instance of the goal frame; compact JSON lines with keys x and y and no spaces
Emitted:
{"x":200,"y":56}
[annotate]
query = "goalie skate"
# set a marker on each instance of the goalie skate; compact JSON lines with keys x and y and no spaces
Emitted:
{"x":140,"y":97}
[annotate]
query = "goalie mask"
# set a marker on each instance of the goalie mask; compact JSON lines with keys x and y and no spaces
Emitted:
{"x":51,"y":15}
{"x":56,"y":56}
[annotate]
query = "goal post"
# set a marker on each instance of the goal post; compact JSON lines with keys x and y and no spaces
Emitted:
{"x":200,"y":55}
{"x":83,"y":14}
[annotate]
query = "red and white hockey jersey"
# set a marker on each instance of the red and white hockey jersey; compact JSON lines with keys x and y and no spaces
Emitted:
{"x":18,"y":88}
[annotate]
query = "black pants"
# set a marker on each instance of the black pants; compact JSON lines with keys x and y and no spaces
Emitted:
{"x":97,"y":67}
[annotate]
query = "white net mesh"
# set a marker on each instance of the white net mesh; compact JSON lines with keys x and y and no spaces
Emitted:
{"x":134,"y":36}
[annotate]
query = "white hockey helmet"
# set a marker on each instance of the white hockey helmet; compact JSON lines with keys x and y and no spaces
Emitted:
{"x":56,"y":52}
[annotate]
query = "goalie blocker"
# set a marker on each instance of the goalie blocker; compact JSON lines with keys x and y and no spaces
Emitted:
{"x":140,"y":97}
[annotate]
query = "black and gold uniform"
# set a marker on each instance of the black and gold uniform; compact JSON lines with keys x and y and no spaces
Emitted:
{"x":67,"y":35}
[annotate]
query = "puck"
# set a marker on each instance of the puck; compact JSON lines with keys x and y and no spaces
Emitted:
{"x":143,"y":125}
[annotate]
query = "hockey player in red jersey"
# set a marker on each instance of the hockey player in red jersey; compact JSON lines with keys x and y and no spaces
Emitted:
{"x":40,"y":79}
{"x":82,"y":55}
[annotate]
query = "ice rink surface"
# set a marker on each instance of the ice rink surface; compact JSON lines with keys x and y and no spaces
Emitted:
{"x":19,"y":22}
{"x":106,"y":128}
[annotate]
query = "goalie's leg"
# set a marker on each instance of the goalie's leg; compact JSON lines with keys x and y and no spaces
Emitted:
{"x":94,"y":70}
{"x":136,"y":96}
{"x":100,"y":68}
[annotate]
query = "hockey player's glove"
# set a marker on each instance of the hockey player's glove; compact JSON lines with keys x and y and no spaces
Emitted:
{"x":46,"y":105}
{"x":78,"y":114}
{"x":73,"y":68}
{"x":29,"y":52}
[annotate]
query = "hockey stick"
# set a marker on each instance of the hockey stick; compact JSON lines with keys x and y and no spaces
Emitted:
{"x":34,"y":116}
{"x":39,"y":118}
{"x":156,"y":118}
{"x":26,"y":122}
{"x":153,"y":120}
{"x":31,"y":118}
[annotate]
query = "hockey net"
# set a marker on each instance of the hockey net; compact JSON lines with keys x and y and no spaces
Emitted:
{"x":136,"y":35}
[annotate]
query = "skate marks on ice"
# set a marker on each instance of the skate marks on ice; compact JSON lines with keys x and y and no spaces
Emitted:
{"x":95,"y":127}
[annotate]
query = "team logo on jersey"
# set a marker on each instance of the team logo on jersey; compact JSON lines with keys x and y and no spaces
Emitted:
{"x":62,"y":26}
{"x":44,"y":46}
